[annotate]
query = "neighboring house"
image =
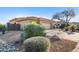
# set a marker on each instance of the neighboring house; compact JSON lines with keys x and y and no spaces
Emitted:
{"x":26,"y":20}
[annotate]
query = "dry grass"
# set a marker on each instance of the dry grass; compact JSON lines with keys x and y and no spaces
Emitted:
{"x":62,"y":46}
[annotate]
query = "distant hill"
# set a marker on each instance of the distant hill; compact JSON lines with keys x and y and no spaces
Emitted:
{"x":74,"y":22}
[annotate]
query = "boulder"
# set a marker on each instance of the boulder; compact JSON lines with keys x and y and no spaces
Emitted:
{"x":54,"y":38}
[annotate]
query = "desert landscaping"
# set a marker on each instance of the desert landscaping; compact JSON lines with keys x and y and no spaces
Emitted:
{"x":68,"y":43}
{"x":38,"y":34}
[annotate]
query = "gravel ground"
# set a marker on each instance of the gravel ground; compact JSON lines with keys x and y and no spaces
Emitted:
{"x":11,"y":36}
{"x":7,"y":41}
{"x":8,"y":47}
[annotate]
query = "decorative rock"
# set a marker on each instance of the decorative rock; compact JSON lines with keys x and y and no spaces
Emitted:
{"x":1,"y":41}
{"x":8,"y":47}
{"x":54,"y":38}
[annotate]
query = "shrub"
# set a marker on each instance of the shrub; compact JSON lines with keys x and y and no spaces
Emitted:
{"x":37,"y":44}
{"x":62,"y":26}
{"x":23,"y":37}
{"x":78,"y":27}
{"x":32,"y":30}
{"x":72,"y":28}
{"x":67,"y":24}
{"x":66,"y":28}
{"x":2,"y":28}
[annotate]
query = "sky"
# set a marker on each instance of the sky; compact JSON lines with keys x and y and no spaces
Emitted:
{"x":8,"y":13}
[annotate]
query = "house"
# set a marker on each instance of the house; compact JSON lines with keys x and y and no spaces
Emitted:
{"x":26,"y":20}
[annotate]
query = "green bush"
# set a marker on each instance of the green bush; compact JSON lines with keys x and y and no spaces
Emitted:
{"x":36,"y":44}
{"x":32,"y":30}
{"x":23,"y":37}
{"x":2,"y":28}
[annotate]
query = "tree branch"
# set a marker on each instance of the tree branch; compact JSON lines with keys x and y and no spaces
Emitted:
{"x":69,"y":19}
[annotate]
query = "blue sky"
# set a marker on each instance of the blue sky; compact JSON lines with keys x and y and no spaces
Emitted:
{"x":7,"y":13}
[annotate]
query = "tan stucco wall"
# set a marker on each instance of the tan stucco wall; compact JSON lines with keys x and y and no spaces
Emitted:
{"x":23,"y":23}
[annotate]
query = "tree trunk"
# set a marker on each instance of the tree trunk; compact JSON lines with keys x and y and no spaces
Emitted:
{"x":51,"y":26}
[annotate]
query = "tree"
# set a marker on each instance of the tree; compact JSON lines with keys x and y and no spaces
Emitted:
{"x":51,"y":26}
{"x":56,"y":16}
{"x":64,"y":16}
{"x":68,"y":14}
